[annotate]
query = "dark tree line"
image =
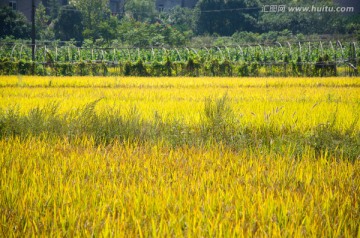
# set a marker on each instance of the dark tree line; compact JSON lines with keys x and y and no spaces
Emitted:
{"x":140,"y":24}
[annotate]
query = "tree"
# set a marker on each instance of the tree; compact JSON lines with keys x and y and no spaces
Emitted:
{"x":69,"y":24}
{"x":108,"y":29}
{"x":353,"y":25}
{"x":44,"y":29}
{"x":93,"y":13}
{"x":183,"y":19}
{"x":140,"y":10}
{"x":13,"y":24}
{"x":302,"y":21}
{"x":143,"y":34}
{"x":52,"y":8}
{"x":226,"y":17}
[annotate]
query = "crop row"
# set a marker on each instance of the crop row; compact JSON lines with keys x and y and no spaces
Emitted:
{"x":309,"y":52}
{"x":169,"y":68}
{"x":311,"y":59}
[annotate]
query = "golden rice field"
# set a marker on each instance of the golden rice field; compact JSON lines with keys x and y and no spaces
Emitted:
{"x":179,"y":157}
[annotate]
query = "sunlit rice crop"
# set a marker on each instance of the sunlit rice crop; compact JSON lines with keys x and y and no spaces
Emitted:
{"x":194,"y":157}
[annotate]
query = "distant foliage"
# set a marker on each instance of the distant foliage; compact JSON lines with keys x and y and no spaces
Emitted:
{"x":13,"y":24}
